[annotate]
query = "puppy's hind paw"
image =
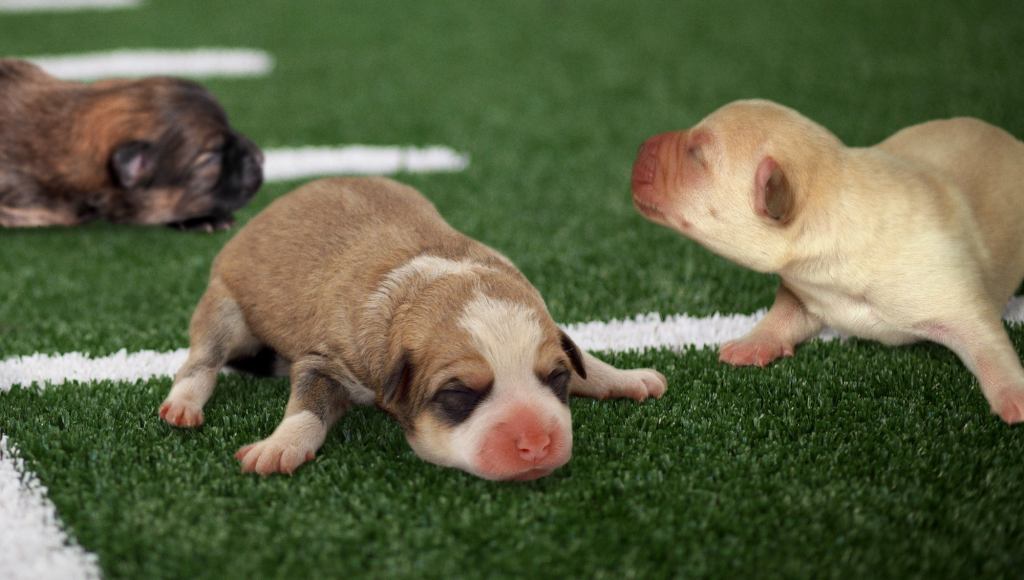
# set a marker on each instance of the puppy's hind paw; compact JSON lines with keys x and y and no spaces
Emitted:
{"x":754,"y":350}
{"x":181,"y":413}
{"x":269,"y":456}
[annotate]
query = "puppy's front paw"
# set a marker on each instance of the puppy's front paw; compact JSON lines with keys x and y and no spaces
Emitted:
{"x":754,"y":350}
{"x":636,"y":384}
{"x":270,"y":456}
{"x":1009,"y":405}
{"x":181,"y":413}
{"x":205,"y":224}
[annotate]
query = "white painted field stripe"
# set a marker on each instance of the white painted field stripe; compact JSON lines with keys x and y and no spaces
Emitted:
{"x":195,"y":63}
{"x":303,"y":162}
{"x":65,"y":5}
{"x":33,"y":545}
{"x":653,"y":331}
{"x":77,"y":367}
{"x":642,"y":332}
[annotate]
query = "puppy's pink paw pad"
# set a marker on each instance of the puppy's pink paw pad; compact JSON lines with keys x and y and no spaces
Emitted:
{"x":268,"y":456}
{"x":1010,"y":406}
{"x":181,"y":413}
{"x":757,"y":351}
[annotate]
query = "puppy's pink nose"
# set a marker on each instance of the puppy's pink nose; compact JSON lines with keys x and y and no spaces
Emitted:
{"x":533,"y":446}
{"x":645,"y":168}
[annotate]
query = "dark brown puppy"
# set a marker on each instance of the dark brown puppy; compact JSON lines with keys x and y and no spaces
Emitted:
{"x":149,"y":151}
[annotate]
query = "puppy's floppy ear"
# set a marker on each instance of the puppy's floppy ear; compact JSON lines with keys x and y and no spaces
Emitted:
{"x":773,"y":196}
{"x":573,"y":352}
{"x":133,"y":163}
{"x":396,"y":384}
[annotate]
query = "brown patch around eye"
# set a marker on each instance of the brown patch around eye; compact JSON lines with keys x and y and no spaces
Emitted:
{"x":558,"y":381}
{"x":456,"y":401}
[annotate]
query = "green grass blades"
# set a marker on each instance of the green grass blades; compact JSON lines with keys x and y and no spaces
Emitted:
{"x":807,"y":468}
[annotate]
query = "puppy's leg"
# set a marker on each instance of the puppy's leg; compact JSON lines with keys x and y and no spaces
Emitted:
{"x":218,"y":333}
{"x":983,"y":345}
{"x":34,"y":217}
{"x":605,"y":381}
{"x":319,"y":398}
{"x":787,"y":324}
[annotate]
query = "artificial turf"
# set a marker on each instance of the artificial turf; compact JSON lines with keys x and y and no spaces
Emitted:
{"x":852,"y":459}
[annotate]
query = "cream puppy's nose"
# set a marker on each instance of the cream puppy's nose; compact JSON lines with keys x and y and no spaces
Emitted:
{"x":645,"y":168}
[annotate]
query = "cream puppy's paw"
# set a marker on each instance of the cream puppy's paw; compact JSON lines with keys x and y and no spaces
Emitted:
{"x":273,"y":456}
{"x":757,"y":350}
{"x":181,"y":413}
{"x":636,"y":384}
{"x":1009,"y":405}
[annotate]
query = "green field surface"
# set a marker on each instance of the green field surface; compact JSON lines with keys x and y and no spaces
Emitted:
{"x":850,"y":460}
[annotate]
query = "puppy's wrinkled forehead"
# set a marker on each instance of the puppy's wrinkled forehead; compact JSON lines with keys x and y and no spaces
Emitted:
{"x":505,"y":333}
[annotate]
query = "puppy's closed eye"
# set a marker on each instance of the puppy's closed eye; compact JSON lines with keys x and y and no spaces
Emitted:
{"x":558,"y":382}
{"x":696,"y":152}
{"x":209,"y":158}
{"x":455,"y":401}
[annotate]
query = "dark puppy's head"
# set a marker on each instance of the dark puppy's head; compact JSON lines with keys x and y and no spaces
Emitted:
{"x":185,"y":162}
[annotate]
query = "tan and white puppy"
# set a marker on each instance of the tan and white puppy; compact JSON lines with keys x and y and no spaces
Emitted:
{"x":916,"y":238}
{"x":361,"y":292}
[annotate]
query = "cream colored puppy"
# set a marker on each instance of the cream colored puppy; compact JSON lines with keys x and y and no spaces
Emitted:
{"x":916,"y":238}
{"x":360,"y":291}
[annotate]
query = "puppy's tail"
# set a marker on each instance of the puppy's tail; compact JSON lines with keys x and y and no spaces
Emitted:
{"x":265,"y":363}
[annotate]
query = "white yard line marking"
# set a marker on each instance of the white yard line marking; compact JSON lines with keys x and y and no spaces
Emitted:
{"x":55,"y":369}
{"x":303,"y":162}
{"x":642,"y":332}
{"x":65,"y":5}
{"x":196,"y":63}
{"x":652,"y":331}
{"x":33,"y":545}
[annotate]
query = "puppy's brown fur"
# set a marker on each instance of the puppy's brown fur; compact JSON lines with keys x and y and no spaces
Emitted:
{"x":366,"y":296}
{"x":149,"y":151}
{"x":916,"y":238}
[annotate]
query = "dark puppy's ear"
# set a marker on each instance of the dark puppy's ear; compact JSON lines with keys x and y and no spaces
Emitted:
{"x":133,"y":163}
{"x":573,"y":352}
{"x":774,"y":197}
{"x":396,"y":384}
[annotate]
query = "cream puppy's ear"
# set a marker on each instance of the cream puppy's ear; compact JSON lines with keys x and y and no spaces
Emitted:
{"x":773,"y":195}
